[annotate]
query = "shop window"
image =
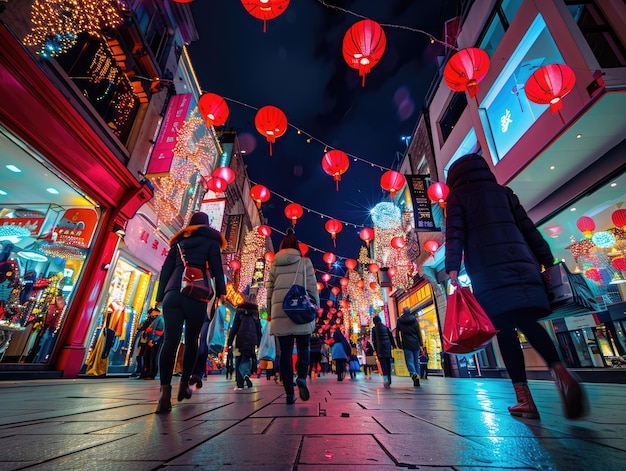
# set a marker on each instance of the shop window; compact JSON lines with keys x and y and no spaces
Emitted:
{"x":510,"y":8}
{"x":602,"y":40}
{"x":493,"y":35}
{"x":506,"y":113}
{"x":452,"y":114}
{"x":469,"y":145}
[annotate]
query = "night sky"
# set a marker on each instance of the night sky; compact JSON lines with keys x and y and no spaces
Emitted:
{"x":297,"y":66}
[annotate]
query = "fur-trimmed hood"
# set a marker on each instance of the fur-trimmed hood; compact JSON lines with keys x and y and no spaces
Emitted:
{"x":208,"y":231}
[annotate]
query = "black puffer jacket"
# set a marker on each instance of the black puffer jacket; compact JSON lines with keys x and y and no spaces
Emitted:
{"x":199,"y":243}
{"x":382,"y":340}
{"x":408,"y":335}
{"x":503,"y":250}
{"x":246,"y":329}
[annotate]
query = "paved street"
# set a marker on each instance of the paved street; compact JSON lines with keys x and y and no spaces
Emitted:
{"x":448,"y":423}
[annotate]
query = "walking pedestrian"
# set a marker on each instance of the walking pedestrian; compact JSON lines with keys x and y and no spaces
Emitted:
{"x":503,"y":252}
{"x":424,"y":363}
{"x":290,"y":267}
{"x":409,"y":339}
{"x":246,"y":334}
{"x":315,"y":346}
{"x":340,"y":352}
{"x":154,"y":335}
{"x":201,"y":244}
{"x":370,"y":359}
{"x":325,"y":357}
{"x":383,"y":344}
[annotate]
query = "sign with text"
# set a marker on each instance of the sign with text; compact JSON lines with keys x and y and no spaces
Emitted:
{"x":214,"y":208}
{"x":422,"y":210}
{"x":77,"y":226}
{"x":232,"y":232}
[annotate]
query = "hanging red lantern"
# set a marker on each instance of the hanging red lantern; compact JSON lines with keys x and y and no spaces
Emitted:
{"x":320,"y":287}
{"x":234,"y":264}
{"x":333,"y":227}
{"x":619,"y":218}
{"x":271,"y":123}
{"x":466,"y":69}
{"x":335,"y":290}
{"x":350,"y":263}
{"x":335,"y":163}
{"x":264,"y":230}
{"x":366,"y":234}
{"x":259,"y":194}
{"x":593,"y":274}
{"x":344,"y":282}
{"x":326,"y":278}
{"x":398,"y":242}
{"x":431,"y":246}
{"x":392,"y":181}
{"x":265,"y":9}
{"x":360,"y":284}
{"x":619,"y":263}
{"x":392,"y":272}
{"x":373,"y":285}
{"x":438,"y":192}
{"x":213,"y":109}
{"x":373,"y":268}
{"x":329,"y":303}
{"x":343,"y":304}
{"x":329,"y":258}
{"x":303,"y":248}
{"x":549,"y":84}
{"x":269,"y":257}
{"x":225,"y":173}
{"x":293,"y":211}
{"x":363,"y":46}
{"x":586,"y":225}
{"x":216,"y":184}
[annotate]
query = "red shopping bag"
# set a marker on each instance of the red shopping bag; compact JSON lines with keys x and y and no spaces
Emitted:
{"x":467,"y":327}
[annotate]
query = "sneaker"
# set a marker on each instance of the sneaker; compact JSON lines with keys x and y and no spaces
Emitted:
{"x":248,"y":381}
{"x":416,"y":380}
{"x":237,"y":388}
{"x":387,"y":384}
{"x":302,"y":389}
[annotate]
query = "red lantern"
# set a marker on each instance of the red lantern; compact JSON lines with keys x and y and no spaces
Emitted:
{"x":264,"y":230}
{"x":216,"y":184}
{"x":259,"y":194}
{"x":373,"y":268}
{"x":392,"y":181}
{"x":438,"y":192}
{"x":392,"y":272}
{"x":269,"y":257}
{"x":320,"y":287}
{"x":344,"y":282}
{"x":213,"y":109}
{"x":265,"y":9}
{"x":465,"y":69}
{"x":373,"y":285}
{"x":335,"y":163}
{"x":619,"y":218}
{"x":326,"y":278}
{"x":593,"y":274}
{"x":329,"y":303}
{"x":293,"y":211}
{"x":303,"y":248}
{"x":225,"y":173}
{"x":350,"y":264}
{"x":234,"y":264}
{"x":619,"y":263}
{"x":398,"y":242}
{"x":271,"y":123}
{"x":343,"y":304}
{"x":431,"y":246}
{"x":366,"y":235}
{"x":360,"y":284}
{"x":329,"y":258}
{"x":335,"y":290}
{"x":333,"y":227}
{"x":549,"y":84}
{"x":363,"y":46}
{"x":585,"y":225}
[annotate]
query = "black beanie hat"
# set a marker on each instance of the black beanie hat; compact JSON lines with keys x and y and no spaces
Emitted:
{"x":199,"y":218}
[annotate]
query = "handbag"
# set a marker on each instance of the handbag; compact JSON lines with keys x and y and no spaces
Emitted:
{"x":569,"y":293}
{"x":466,"y":327}
{"x":196,"y":282}
{"x":297,"y":304}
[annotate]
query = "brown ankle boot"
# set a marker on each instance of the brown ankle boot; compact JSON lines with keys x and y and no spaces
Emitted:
{"x":165,"y":400}
{"x":525,"y":406}
{"x":572,"y":394}
{"x":184,"y":391}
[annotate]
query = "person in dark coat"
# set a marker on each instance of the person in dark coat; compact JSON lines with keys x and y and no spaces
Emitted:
{"x":200,"y":244}
{"x":383,"y":341}
{"x":488,"y":229}
{"x":245,"y":333}
{"x":340,"y":352}
{"x":409,"y":339}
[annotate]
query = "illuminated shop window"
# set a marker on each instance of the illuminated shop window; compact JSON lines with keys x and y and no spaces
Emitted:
{"x":506,"y":113}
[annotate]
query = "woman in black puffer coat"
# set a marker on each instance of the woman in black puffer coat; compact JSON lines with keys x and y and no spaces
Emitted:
{"x":200,"y":243}
{"x":503,"y":253}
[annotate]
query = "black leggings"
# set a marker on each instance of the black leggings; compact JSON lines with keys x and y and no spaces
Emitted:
{"x":286,"y":365}
{"x":511,"y":348}
{"x":179,"y":309}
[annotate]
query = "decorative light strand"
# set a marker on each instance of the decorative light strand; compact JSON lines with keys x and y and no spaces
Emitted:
{"x":311,"y":247}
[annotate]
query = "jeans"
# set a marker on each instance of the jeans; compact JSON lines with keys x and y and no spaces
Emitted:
{"x":302,"y":363}
{"x":385,"y":365}
{"x":412,"y":358}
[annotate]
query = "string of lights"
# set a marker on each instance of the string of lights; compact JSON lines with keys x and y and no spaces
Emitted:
{"x":311,"y":247}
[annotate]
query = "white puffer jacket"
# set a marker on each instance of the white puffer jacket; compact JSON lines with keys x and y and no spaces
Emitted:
{"x":280,"y":279}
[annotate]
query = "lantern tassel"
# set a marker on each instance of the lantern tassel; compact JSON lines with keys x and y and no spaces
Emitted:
{"x":334,"y":242}
{"x":561,"y":116}
{"x":264,"y":26}
{"x":270,"y":149}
